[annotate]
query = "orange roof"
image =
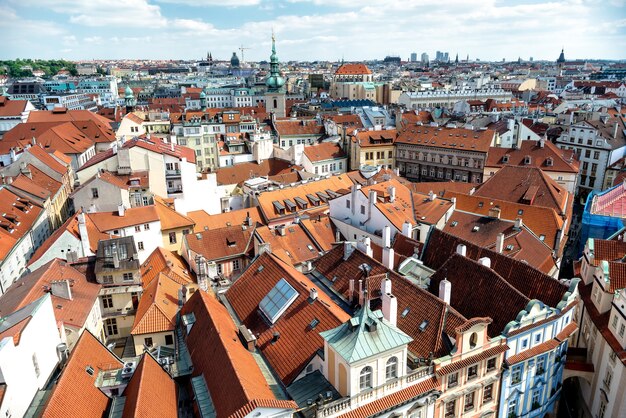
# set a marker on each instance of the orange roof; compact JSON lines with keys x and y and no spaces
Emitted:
{"x":17,"y":218}
{"x":158,"y":307}
{"x":204,"y":221}
{"x":9,"y":107}
{"x":65,"y":400}
{"x":238,"y":173}
{"x":303,"y":127}
{"x":108,"y":221}
{"x":31,"y":287}
{"x":321,"y":230}
{"x":349,"y":69}
{"x":298,"y":342}
{"x":452,"y":138}
{"x":169,"y":217}
{"x":351,"y":121}
{"x":295,"y":247}
{"x":375,"y":138}
{"x":222,"y":243}
{"x":151,"y":391}
{"x":235,"y":382}
{"x":398,"y":211}
{"x":167,"y":262}
{"x":38,"y":152}
{"x":15,"y":331}
{"x":123,"y":181}
{"x":323,"y":152}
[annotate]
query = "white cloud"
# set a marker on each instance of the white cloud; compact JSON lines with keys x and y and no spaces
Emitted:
{"x":213,"y":3}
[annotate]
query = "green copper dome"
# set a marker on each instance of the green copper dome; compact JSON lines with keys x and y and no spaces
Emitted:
{"x":202,"y":95}
{"x":128,"y":93}
{"x":275,"y":81}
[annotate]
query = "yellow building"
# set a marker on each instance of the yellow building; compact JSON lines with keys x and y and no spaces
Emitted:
{"x":372,"y":148}
{"x":173,"y":225}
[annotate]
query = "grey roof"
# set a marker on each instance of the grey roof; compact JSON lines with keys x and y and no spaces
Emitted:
{"x":365,"y":335}
{"x":307,"y":391}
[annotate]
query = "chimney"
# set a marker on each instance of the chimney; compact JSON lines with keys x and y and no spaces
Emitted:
{"x":392,"y":193}
{"x":518,"y":223}
{"x":494,"y":213}
{"x":388,"y":257}
{"x":61,"y":289}
{"x":248,"y":219}
{"x":407,"y":229}
{"x":313,"y":294}
{"x":500,"y":243}
{"x":615,"y":129}
{"x":390,"y":307}
{"x":445,"y":290}
{"x":348,"y":249}
{"x":367,"y":246}
{"x":121,"y":209}
{"x":281,"y":230}
{"x":361,"y":298}
{"x":247,"y":338}
{"x":116,"y":260}
{"x":264,"y":247}
{"x":485,"y":261}
{"x":461,"y":249}
{"x":431,"y":195}
{"x":386,"y":236}
{"x":350,"y":290}
{"x":84,"y":235}
{"x":71,"y":257}
{"x":372,"y":198}
{"x":542,"y":141}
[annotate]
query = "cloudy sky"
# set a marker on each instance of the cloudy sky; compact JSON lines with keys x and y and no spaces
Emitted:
{"x":312,"y":29}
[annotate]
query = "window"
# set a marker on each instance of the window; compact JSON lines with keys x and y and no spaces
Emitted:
{"x":140,"y":245}
{"x":169,"y":340}
{"x":107,"y":279}
{"x":450,"y":408}
{"x":524,"y":344}
{"x":137,"y":228}
{"x":516,"y":374}
{"x":469,"y":402}
{"x":391,"y":371}
{"x":362,"y":209}
{"x":472,"y":372}
{"x":146,"y":227}
{"x":537,"y":338}
{"x":172,"y":237}
{"x":107,"y":301}
{"x":473,"y":340}
{"x":147,"y":342}
{"x":219,"y":268}
{"x":541,"y":364}
{"x":111,"y":326}
{"x":94,"y":193}
{"x":621,"y":330}
{"x":602,"y":409}
{"x":491,"y":364}
{"x":347,"y":204}
{"x":128,"y":277}
{"x":535,"y":399}
{"x":608,"y":378}
{"x":365,"y":378}
{"x":512,"y":409}
{"x":453,"y":380}
{"x":236,"y":265}
{"x":389,"y":154}
{"x":488,"y":393}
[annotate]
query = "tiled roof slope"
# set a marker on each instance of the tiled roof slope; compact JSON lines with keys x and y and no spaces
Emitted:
{"x":204,"y":221}
{"x":473,"y":287}
{"x":215,"y":244}
{"x":611,"y":202}
{"x":323,"y":152}
{"x":151,"y":392}
{"x":531,"y":282}
{"x":32,"y":286}
{"x":449,"y":138}
{"x":561,"y":160}
{"x":167,"y":262}
{"x":527,"y":185}
{"x":238,"y":173}
{"x":297,"y":342}
{"x":158,"y":307}
{"x":419,"y":304}
{"x":66,"y":400}
{"x":10,"y":107}
{"x":235,"y":382}
{"x":349,"y":68}
{"x":609,"y":250}
{"x":290,"y":127}
{"x":294,"y":247}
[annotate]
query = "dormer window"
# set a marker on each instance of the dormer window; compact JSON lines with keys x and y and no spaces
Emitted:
{"x":505,"y":158}
{"x":365,"y":378}
{"x":549,"y":162}
{"x":527,"y":159}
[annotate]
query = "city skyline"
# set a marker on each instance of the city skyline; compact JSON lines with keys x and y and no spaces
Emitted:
{"x":313,"y":29}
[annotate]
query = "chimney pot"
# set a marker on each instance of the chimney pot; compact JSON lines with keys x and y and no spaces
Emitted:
{"x":445,"y":290}
{"x":500,"y":243}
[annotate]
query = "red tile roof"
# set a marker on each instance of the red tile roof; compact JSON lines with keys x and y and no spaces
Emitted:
{"x":151,"y":392}
{"x":298,"y":342}
{"x":235,"y":382}
{"x":167,"y":262}
{"x":222,"y":243}
{"x":10,"y":107}
{"x":324,"y":152}
{"x":548,"y":158}
{"x":241,"y":172}
{"x":203,"y":220}
{"x":109,"y":221}
{"x":452,"y":138}
{"x":158,"y":307}
{"x":349,"y":69}
{"x":304,"y":127}
{"x":377,"y":138}
{"x":468,"y":361}
{"x":89,"y":401}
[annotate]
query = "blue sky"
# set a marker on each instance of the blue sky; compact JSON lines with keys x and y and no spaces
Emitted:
{"x":312,"y":29}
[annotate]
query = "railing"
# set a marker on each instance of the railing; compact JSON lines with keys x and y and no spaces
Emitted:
{"x":365,"y":397}
{"x":111,"y":312}
{"x":172,"y":173}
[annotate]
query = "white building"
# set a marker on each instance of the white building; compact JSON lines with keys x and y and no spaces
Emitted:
{"x":447,"y":98}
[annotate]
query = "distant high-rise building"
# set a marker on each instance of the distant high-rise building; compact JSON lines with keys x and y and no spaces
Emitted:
{"x":424,"y":58}
{"x":439,"y":56}
{"x":446,"y":57}
{"x":413,"y":56}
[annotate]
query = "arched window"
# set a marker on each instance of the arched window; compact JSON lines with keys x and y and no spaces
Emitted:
{"x":391,"y":371}
{"x":365,"y":379}
{"x":473,"y":340}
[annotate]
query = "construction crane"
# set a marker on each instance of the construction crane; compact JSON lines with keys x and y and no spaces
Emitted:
{"x":242,"y":48}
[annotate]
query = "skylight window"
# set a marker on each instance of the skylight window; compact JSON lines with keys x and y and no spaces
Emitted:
{"x":475,"y":228}
{"x":405,"y":312}
{"x":509,"y":247}
{"x":276,"y":302}
{"x":542,"y":237}
{"x":454,"y":223}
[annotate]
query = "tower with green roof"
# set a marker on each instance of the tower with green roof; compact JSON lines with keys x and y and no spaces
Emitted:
{"x":275,"y":95}
{"x":129,"y":99}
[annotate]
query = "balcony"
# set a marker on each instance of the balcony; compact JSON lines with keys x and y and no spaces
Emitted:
{"x":175,"y":189}
{"x":113,"y":312}
{"x":349,"y":403}
{"x":172,"y":173}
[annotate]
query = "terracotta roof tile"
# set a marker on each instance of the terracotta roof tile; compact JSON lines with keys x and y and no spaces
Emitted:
{"x":167,"y":262}
{"x":10,"y":107}
{"x":561,"y":160}
{"x":109,"y":221}
{"x":151,"y":392}
{"x":304,"y":127}
{"x":241,"y":172}
{"x":204,"y":221}
{"x":349,"y":69}
{"x":170,"y":218}
{"x":324,"y":152}
{"x":298,"y":342}
{"x":468,"y":361}
{"x":375,"y":138}
{"x":452,"y":138}
{"x":295,"y":247}
{"x":236,"y":383}
{"x":158,"y":307}
{"x":89,"y":401}
{"x":216,"y":244}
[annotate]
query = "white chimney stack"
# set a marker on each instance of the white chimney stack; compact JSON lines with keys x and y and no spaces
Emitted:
{"x":500,"y":243}
{"x":407,"y":229}
{"x":390,"y":308}
{"x":348,"y":249}
{"x":485,"y":261}
{"x":445,"y":290}
{"x":388,"y":257}
{"x":121,"y":209}
{"x":461,"y":249}
{"x":518,"y":223}
{"x":313,"y":293}
{"x":392,"y":193}
{"x":367,"y":243}
{"x":386,"y":236}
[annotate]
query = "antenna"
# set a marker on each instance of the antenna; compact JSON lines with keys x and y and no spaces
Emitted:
{"x":243,"y":48}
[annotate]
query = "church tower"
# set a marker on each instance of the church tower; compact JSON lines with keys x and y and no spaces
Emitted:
{"x":275,"y":95}
{"x":560,"y":62}
{"x":129,"y":99}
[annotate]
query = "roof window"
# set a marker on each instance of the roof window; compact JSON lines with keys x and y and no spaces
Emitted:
{"x":276,"y":302}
